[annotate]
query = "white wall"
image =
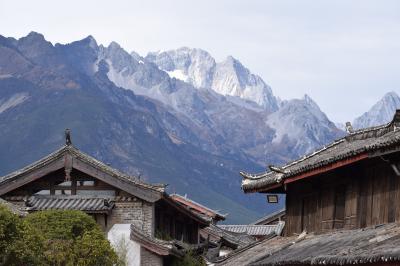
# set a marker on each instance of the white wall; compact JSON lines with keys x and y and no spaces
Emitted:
{"x":119,"y":236}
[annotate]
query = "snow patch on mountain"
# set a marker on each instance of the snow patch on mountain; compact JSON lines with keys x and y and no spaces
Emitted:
{"x":13,"y":101}
{"x":380,"y":113}
{"x":178,"y":74}
{"x":228,"y":78}
{"x":195,"y":64}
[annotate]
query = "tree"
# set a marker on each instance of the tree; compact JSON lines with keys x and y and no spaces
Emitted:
{"x":53,"y":238}
{"x":9,"y":232}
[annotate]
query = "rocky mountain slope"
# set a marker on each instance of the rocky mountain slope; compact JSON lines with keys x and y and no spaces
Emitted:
{"x":176,"y":117}
{"x":229,"y":78}
{"x":380,"y":113}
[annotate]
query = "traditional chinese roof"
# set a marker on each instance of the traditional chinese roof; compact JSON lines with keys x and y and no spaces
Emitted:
{"x":161,"y":247}
{"x":270,"y":217}
{"x":234,"y":240}
{"x":69,"y":156}
{"x":360,"y":246}
{"x":199,"y":208}
{"x":357,"y":145}
{"x":371,"y":245}
{"x":255,"y":230}
{"x":200,"y":218}
{"x":87,"y":204}
{"x":155,"y":245}
{"x":253,"y":252}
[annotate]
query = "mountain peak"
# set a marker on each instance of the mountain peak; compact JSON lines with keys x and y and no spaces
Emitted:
{"x":308,"y":100}
{"x":230,"y":77}
{"x":391,"y":95}
{"x":34,"y":38}
{"x":114,"y":46}
{"x":34,"y":35}
{"x":380,"y":113}
{"x":91,"y":41}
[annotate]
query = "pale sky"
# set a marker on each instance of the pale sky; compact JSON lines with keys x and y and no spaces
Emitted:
{"x":344,"y":54}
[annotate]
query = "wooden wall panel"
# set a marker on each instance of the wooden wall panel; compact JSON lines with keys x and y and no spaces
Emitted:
{"x":327,"y":206}
{"x":350,"y":218}
{"x":392,"y":203}
{"x":371,"y":196}
{"x":396,"y":197}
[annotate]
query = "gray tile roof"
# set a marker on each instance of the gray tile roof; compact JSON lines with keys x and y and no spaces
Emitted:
{"x":162,"y":247}
{"x":345,"y":247}
{"x":236,"y":239}
{"x":270,"y":217}
{"x":199,"y":208}
{"x":255,"y":230}
{"x":255,"y":251}
{"x":370,"y":245}
{"x":84,"y":157}
{"x":82,"y":203}
{"x":150,"y":192}
{"x":361,"y":142}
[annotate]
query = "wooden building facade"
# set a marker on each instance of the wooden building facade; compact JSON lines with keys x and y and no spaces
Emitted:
{"x":351,"y":183}
{"x":356,"y":196}
{"x":343,"y":198}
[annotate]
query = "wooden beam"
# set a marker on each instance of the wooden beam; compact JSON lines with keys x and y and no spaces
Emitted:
{"x":73,"y":187}
{"x":326,"y":168}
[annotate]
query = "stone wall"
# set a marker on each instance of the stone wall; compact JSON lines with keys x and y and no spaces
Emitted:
{"x":133,"y":211}
{"x":148,"y":258}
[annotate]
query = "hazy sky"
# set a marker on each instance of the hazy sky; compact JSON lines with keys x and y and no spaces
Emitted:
{"x":344,"y":54}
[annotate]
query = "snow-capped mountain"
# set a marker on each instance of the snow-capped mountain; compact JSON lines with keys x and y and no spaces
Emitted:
{"x":176,"y":117}
{"x":201,"y":91}
{"x":228,"y":78}
{"x":380,"y":113}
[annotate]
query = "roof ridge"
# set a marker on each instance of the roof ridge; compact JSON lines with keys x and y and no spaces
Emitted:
{"x":114,"y":171}
{"x":199,"y":204}
{"x":35,"y":163}
{"x":85,"y":157}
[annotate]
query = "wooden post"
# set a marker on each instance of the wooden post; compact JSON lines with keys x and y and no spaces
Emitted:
{"x":73,"y":186}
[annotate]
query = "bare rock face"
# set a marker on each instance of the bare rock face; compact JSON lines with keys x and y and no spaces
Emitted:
{"x":228,"y":78}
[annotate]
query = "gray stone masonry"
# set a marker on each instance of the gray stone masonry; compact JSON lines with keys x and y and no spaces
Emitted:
{"x":149,"y":259}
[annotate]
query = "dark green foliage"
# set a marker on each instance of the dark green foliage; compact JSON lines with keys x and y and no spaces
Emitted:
{"x":61,"y":224}
{"x":9,"y":233}
{"x":53,"y":238}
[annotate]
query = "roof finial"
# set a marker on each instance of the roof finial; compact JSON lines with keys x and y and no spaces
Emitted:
{"x":349,"y":128}
{"x":68,"y":137}
{"x":276,"y":169}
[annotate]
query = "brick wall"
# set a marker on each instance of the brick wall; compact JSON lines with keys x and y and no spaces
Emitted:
{"x":133,"y":211}
{"x":149,"y":259}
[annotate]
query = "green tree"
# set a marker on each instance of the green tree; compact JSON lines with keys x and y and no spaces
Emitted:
{"x":9,"y":232}
{"x":53,"y":238}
